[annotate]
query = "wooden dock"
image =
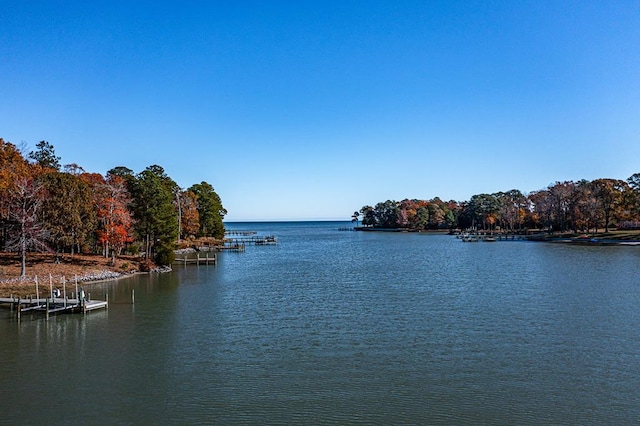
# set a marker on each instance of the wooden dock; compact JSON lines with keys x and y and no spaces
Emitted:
{"x":230,"y":245}
{"x":52,"y":305}
{"x":209,"y":258}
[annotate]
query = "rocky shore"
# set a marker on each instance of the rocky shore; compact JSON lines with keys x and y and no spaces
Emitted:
{"x":91,"y":276}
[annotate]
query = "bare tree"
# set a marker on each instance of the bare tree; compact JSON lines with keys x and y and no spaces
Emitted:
{"x":26,"y":231}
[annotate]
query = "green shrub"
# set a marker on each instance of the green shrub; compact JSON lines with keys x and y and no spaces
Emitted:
{"x":165,"y":256}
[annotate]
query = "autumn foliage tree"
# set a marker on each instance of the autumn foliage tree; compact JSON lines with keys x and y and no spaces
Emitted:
{"x":26,"y":230}
{"x":112,"y":202}
{"x":189,"y":216}
{"x":563,"y":206}
{"x":13,"y":169}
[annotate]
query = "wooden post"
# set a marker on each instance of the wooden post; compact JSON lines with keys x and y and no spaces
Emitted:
{"x":47,"y":310}
{"x":19,"y":309}
{"x":51,"y":286}
{"x":37,"y":292}
{"x":77,"y":294}
{"x":133,"y":296}
{"x":64,"y":290}
{"x":106,"y":299}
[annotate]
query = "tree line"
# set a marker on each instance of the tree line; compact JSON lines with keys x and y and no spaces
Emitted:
{"x":48,"y":207}
{"x":561,"y":207}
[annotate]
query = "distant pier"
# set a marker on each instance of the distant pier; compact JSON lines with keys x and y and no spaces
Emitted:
{"x":255,"y":239}
{"x":475,"y":236}
{"x":239,"y":232}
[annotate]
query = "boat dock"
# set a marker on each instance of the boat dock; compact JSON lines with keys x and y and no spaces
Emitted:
{"x":209,"y":258}
{"x":240,"y":243}
{"x":52,"y":305}
{"x":232,"y":246}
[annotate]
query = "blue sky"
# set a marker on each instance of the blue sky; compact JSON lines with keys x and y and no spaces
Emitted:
{"x":310,"y":110}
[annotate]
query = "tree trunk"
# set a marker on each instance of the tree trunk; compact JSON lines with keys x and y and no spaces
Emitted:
{"x":23,"y":272}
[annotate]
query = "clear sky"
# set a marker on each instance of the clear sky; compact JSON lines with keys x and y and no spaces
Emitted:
{"x":312,"y":109}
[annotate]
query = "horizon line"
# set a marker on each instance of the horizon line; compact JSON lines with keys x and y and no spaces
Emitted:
{"x":289,"y":220}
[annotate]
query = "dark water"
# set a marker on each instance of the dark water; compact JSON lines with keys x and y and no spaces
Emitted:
{"x":334,"y":327}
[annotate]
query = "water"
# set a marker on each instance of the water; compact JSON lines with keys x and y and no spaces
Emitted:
{"x":334,"y":327}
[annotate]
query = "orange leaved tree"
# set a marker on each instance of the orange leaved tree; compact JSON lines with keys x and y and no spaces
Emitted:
{"x":114,"y":215}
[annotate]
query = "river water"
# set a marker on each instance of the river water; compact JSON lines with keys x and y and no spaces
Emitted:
{"x":332,"y":327}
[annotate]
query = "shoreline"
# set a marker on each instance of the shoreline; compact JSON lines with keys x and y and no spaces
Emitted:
{"x":24,"y":287}
{"x":611,"y":238}
{"x":89,"y":269}
{"x":403,"y":230}
{"x":589,"y":241}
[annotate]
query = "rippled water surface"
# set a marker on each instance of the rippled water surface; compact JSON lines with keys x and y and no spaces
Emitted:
{"x":333,"y":327}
